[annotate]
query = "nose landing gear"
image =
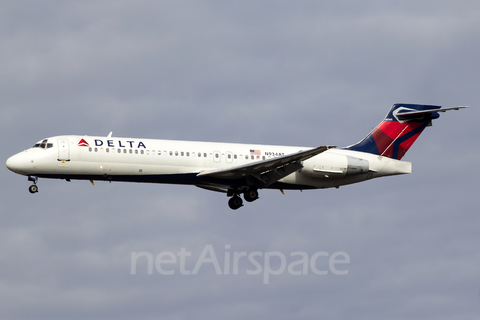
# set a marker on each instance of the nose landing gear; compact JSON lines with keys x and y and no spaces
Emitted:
{"x":33,"y":188}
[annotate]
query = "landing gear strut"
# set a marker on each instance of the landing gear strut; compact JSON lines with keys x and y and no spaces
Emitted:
{"x":235,"y":202}
{"x":33,"y":188}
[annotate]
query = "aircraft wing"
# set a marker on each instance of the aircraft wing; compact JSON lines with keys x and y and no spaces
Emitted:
{"x":263,"y":173}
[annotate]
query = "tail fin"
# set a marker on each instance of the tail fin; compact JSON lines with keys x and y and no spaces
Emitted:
{"x":399,"y":130}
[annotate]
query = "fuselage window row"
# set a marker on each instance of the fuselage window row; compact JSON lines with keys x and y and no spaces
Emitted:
{"x":229,"y":156}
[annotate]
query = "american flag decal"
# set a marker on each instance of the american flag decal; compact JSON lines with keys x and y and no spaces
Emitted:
{"x":254,"y":152}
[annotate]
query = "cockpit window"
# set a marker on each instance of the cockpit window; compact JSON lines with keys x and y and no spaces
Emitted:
{"x":43,"y":144}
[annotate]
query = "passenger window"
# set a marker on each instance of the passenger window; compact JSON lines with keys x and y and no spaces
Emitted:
{"x":124,"y":150}
{"x":130,"y":151}
{"x":176,"y":153}
{"x":182,"y":153}
{"x":171,"y":153}
{"x":188,"y":154}
{"x":136,"y":151}
{"x":234,"y":156}
{"x":141,"y":151}
{"x":108,"y":150}
{"x":205,"y":155}
{"x":119,"y":150}
{"x":96,"y":149}
{"x":90,"y":149}
{"x":148,"y":152}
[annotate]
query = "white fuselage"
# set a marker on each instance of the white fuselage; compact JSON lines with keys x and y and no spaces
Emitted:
{"x":179,"y":162}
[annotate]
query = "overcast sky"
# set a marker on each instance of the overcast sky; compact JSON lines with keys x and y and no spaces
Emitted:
{"x":305,"y":73}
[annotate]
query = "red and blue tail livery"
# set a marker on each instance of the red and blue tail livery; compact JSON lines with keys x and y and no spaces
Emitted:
{"x":231,"y":168}
{"x":398,"y":131}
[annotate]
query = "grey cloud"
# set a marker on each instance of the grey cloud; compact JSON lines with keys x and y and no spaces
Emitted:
{"x":304,"y":73}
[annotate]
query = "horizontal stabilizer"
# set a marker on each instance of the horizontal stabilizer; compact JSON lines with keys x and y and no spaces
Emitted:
{"x":414,"y":114}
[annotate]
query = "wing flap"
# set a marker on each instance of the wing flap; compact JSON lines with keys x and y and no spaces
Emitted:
{"x":212,"y":188}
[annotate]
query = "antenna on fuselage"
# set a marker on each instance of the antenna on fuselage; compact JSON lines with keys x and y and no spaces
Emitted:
{"x":110,"y":134}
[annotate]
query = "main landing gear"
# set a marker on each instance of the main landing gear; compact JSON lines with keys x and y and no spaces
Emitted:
{"x":236,"y":202}
{"x":250,"y":195}
{"x":33,"y":188}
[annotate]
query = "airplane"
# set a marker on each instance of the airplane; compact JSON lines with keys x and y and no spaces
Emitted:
{"x":230,"y":168}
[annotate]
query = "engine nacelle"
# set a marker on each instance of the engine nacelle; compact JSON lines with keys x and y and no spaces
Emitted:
{"x":357,"y":166}
{"x":332,"y":165}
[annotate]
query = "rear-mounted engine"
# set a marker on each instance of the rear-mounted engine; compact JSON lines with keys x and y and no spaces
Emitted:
{"x":333,"y":165}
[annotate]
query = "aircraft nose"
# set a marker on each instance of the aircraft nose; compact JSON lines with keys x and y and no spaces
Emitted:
{"x":17,"y":163}
{"x":12,"y":164}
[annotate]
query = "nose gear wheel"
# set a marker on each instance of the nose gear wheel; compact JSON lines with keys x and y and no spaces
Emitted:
{"x":33,"y":188}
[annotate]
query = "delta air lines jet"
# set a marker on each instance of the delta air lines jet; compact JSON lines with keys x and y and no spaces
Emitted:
{"x":234,"y":169}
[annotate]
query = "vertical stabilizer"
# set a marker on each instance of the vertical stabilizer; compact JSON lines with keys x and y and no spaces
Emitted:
{"x":398,"y":131}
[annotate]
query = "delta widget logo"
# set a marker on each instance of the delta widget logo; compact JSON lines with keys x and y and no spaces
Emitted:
{"x":83,"y":143}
